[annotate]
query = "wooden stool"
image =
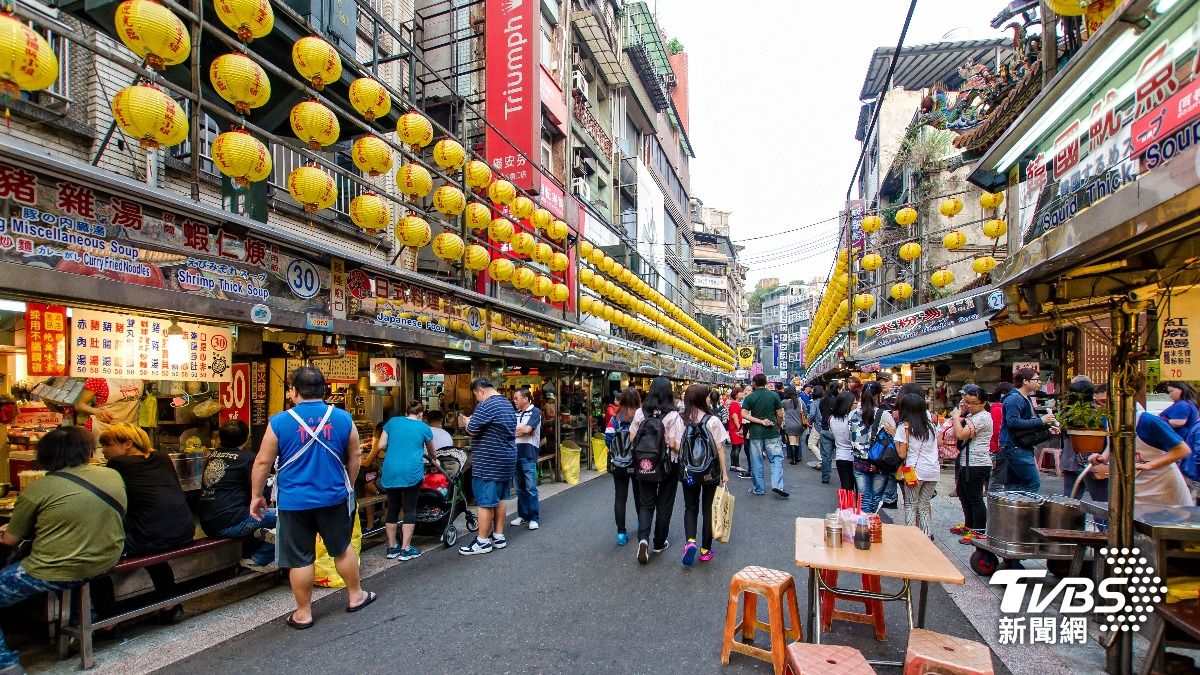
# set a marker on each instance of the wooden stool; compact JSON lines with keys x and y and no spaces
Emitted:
{"x":804,"y":659}
{"x":930,"y":652}
{"x":873,"y":609}
{"x":777,"y":588}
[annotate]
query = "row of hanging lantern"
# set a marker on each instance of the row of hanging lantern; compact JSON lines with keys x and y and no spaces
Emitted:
{"x":833,"y":312}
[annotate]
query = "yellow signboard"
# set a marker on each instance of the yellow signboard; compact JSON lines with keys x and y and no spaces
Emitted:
{"x":1175,"y":327}
{"x":745,"y":356}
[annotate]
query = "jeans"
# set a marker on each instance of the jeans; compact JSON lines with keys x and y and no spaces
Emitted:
{"x":971,"y":482}
{"x":655,"y":502}
{"x":16,"y":585}
{"x":999,"y":472}
{"x":827,"y":454}
{"x":265,"y":555}
{"x":916,"y":504}
{"x":887,"y":493}
{"x":525,"y":481}
{"x":869,"y":486}
{"x":1022,"y":471}
{"x":622,"y":478}
{"x":773,"y":449}
{"x":698,"y":498}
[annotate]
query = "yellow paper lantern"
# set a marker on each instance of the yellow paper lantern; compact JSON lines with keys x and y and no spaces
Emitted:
{"x":910,"y":251}
{"x":542,"y":286}
{"x":951,"y":207}
{"x":501,"y":269}
{"x":871,"y":262}
{"x":312,"y":187}
{"x":991,"y":200}
{"x":250,"y":19}
{"x":152,"y":32}
{"x":501,"y":230}
{"x":941,"y":278}
{"x":477,"y":174}
{"x":586,"y":277}
{"x":864,"y":302}
{"x":560,"y":293}
{"x":557,"y":230}
{"x":871,"y":224}
{"x":984,"y":264}
{"x":261,"y":169}
{"x":371,"y":155}
{"x":449,"y":154}
{"x":607,"y":265}
{"x":521,"y":207}
{"x":906,"y":216}
{"x":315,"y":124}
{"x":902,"y":290}
{"x":625,"y":277}
{"x":476,"y":257}
{"x":995,"y":228}
{"x":413,"y":231}
{"x":369,"y":98}
{"x":585,"y":249}
{"x":414,"y":130}
{"x":149,"y":115}
{"x":449,"y":200}
{"x":585,"y":304}
{"x":502,"y":192}
{"x":370,"y":211}
{"x":541,"y":253}
{"x":317,"y":61}
{"x":540,"y":218}
{"x":240,"y":81}
{"x":954,"y":240}
{"x":1066,"y":7}
{"x":237,"y":155}
{"x":414,"y":180}
{"x":524,"y":278}
{"x":479,"y":216}
{"x":448,"y":246}
{"x":522,"y":243}
{"x":608,"y":313}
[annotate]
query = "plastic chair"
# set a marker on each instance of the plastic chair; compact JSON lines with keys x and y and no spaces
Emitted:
{"x":809,"y":659}
{"x":872,"y":609}
{"x":777,"y":588}
{"x":930,"y":652}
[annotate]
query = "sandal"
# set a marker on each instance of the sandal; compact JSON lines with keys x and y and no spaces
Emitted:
{"x":371,"y":597}
{"x":291,"y":621}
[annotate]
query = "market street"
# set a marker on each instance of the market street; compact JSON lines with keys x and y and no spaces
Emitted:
{"x":561,"y":600}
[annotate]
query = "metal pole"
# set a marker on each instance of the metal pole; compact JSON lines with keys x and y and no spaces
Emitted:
{"x":1124,"y":381}
{"x":1049,"y":44}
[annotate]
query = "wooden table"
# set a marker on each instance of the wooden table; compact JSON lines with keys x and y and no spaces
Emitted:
{"x":906,"y":553}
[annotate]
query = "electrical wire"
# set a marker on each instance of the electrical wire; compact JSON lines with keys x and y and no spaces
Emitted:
{"x":795,"y":229}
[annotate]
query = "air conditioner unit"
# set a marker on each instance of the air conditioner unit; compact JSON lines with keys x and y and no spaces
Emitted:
{"x":581,"y":189}
{"x":579,"y":83}
{"x":577,"y":167}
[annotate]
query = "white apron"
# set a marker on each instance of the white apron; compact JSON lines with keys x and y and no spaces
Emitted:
{"x":1163,"y":486}
{"x":314,"y":439}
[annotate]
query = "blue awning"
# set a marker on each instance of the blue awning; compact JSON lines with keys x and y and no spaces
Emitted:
{"x":937,"y":349}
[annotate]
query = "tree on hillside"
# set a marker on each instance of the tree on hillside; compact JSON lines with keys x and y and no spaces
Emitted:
{"x":760,"y":292}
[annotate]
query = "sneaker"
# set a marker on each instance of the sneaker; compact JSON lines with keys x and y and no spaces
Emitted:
{"x":622,"y":539}
{"x":643,"y":554}
{"x":476,"y":547}
{"x":781,"y":492}
{"x":752,"y":492}
{"x":706,"y":554}
{"x":959,"y":529}
{"x":966,"y":538}
{"x":533,"y":525}
{"x":499,"y":541}
{"x":410,"y":553}
{"x":891,"y":505}
{"x":666,"y":545}
{"x":517,"y":522}
{"x":251,"y":565}
{"x":394,"y":552}
{"x":689,"y":552}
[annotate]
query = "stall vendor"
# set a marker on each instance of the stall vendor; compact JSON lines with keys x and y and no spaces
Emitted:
{"x":107,"y":401}
{"x":1159,"y":481}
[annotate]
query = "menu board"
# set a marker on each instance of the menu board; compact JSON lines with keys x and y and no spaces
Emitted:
{"x":1176,"y":333}
{"x":108,"y":344}
{"x":46,"y":339}
{"x":340,"y":370}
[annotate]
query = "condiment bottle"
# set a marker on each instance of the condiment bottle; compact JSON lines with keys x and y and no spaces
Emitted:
{"x":862,"y":535}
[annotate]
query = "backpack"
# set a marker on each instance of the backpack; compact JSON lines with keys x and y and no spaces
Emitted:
{"x":882,"y":450}
{"x":620,"y":455}
{"x":698,"y":453}
{"x":650,"y":450}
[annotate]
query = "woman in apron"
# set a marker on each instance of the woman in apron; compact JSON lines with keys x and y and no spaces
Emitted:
{"x":1159,"y":481}
{"x":107,"y":402}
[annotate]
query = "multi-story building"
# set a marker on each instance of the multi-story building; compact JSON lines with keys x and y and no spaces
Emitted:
{"x":785,"y":318}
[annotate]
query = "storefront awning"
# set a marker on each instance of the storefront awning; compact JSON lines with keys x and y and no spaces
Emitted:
{"x":596,"y":39}
{"x":938,"y":349}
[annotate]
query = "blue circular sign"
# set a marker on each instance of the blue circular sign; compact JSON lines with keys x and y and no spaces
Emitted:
{"x":304,"y":279}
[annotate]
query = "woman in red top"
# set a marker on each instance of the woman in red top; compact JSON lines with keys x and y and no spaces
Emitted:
{"x":735,"y":429}
{"x":999,"y":467}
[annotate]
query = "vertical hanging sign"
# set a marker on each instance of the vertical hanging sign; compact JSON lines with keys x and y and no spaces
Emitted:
{"x":337,"y":288}
{"x":46,"y":339}
{"x":235,"y":394}
{"x":513,"y":102}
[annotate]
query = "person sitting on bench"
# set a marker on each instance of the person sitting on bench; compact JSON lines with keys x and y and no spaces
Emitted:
{"x":225,"y":494}
{"x":73,"y":515}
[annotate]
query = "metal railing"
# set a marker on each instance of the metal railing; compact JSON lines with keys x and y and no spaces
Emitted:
{"x":583,"y":113}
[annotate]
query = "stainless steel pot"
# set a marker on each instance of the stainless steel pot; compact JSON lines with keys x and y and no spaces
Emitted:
{"x":1010,"y":517}
{"x":189,"y":466}
{"x":1062,"y":513}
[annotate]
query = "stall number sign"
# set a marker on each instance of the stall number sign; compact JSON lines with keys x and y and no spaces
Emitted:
{"x":1175,"y":327}
{"x":46,"y":340}
{"x":129,"y":346}
{"x":235,"y":394}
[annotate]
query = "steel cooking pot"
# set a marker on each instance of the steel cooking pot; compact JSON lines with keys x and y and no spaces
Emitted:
{"x":1062,"y":513}
{"x":1010,"y":519}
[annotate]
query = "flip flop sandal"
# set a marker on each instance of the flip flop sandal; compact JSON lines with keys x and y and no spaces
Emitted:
{"x":371,"y":597}
{"x":291,"y":621}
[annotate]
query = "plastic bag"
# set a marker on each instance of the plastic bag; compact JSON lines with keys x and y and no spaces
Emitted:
{"x":568,"y":454}
{"x":1183,"y":588}
{"x":599,"y":454}
{"x":722,"y":514}
{"x":325,"y":572}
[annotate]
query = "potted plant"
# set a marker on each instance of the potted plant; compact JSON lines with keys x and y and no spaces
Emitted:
{"x":1086,"y":425}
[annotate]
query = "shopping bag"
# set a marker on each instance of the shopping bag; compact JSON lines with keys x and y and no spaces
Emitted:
{"x":325,"y":572}
{"x":722,"y":514}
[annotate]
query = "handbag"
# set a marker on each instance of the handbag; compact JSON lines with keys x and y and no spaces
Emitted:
{"x":1028,"y":438}
{"x":722,"y":514}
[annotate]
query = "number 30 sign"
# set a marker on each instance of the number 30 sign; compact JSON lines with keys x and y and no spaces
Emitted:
{"x":303,"y":279}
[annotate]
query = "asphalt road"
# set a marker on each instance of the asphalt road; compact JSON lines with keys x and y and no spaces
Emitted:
{"x":564,"y":598}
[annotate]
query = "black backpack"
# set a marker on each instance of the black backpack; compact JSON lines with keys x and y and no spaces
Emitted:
{"x":620,"y":455}
{"x":698,"y":452}
{"x":650,"y":450}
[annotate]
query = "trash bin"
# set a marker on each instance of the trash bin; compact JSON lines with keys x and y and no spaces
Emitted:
{"x":599,"y":453}
{"x":568,"y":453}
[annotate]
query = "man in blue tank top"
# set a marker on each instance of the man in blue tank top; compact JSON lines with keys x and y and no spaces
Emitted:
{"x":314,"y":448}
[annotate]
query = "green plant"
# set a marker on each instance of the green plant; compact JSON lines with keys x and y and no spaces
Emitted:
{"x":674,"y":46}
{"x":1082,"y":415}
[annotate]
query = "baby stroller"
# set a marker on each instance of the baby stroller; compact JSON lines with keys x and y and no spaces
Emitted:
{"x":441,"y":499}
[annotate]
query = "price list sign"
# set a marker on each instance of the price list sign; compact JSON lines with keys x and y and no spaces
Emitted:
{"x":106,"y":344}
{"x":46,"y":339}
{"x":1175,"y":329}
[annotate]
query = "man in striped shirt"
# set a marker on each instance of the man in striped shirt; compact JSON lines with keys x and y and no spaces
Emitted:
{"x":493,"y":428}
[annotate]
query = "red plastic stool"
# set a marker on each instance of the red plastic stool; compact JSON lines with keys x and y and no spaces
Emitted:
{"x":873,"y":609}
{"x":930,"y":652}
{"x":779,"y":590}
{"x":809,"y":659}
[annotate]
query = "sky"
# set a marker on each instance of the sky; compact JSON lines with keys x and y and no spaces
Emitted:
{"x":774,"y":92}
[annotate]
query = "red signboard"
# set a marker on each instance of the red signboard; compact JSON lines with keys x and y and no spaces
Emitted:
{"x":552,"y":97}
{"x":235,"y":395}
{"x":46,"y":339}
{"x":1160,"y":122}
{"x":512,"y":103}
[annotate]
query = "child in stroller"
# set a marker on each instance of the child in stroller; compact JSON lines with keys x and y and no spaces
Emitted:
{"x":441,"y":498}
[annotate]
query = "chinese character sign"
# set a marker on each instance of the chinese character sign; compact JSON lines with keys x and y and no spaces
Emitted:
{"x":46,"y":339}
{"x":1175,"y":329}
{"x":106,"y":344}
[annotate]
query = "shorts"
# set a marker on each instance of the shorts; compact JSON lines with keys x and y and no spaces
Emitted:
{"x":296,"y":534}
{"x":489,"y":493}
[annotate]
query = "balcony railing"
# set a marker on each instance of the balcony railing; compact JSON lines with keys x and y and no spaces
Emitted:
{"x":583,"y":113}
